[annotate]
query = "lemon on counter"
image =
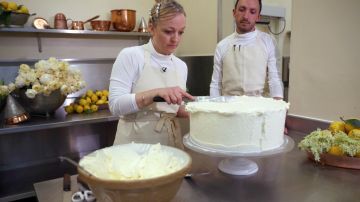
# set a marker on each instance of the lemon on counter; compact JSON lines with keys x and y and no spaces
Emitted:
{"x":337,"y":126}
{"x":89,"y":93}
{"x":94,"y":98}
{"x":105,"y":93}
{"x":100,"y":102}
{"x":94,"y":108}
{"x":79,"y":109}
{"x":98,"y":93}
{"x":69,"y":109}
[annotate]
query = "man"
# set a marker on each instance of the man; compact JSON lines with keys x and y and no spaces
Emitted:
{"x":245,"y":62}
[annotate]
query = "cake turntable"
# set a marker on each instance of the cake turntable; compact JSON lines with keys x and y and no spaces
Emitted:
{"x":236,"y":162}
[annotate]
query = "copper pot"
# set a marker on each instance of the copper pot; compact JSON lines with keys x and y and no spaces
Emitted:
{"x":100,"y":25}
{"x":123,"y":19}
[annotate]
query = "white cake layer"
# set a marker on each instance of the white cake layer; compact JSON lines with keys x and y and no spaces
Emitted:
{"x":244,"y":124}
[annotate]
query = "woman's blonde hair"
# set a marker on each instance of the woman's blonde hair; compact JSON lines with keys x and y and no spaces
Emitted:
{"x":164,"y":9}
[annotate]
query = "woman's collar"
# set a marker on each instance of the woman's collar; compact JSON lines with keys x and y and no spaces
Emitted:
{"x":152,"y":50}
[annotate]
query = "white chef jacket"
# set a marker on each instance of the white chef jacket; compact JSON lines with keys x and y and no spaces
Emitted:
{"x":126,"y":71}
{"x":273,"y":63}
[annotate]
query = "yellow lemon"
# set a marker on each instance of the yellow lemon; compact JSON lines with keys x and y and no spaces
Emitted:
{"x":100,"y":102}
{"x":79,"y":109}
{"x":336,"y":150}
{"x":87,"y":109}
{"x":12,"y":6}
{"x":4,"y":4}
{"x":337,"y":126}
{"x":354,"y":133}
{"x":88,"y":100}
{"x":89,"y":93}
{"x":69,"y":109}
{"x":94,"y":98}
{"x":83,"y":102}
{"x":103,"y":98}
{"x":348,"y":127}
{"x":24,"y":9}
{"x":94,"y":108}
{"x":105,"y":93}
{"x":98,"y":93}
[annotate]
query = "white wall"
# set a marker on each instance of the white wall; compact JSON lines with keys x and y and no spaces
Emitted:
{"x":324,"y":66}
{"x":199,"y":39}
{"x":201,"y":28}
{"x":200,"y":35}
{"x":24,"y":46}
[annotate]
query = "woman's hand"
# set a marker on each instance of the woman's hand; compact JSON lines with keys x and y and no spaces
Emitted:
{"x":172,"y":95}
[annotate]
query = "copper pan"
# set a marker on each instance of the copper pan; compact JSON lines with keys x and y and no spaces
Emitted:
{"x":123,"y":19}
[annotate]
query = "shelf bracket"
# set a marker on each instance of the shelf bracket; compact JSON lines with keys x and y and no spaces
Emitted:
{"x":39,"y":42}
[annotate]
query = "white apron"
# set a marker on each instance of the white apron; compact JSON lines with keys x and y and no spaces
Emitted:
{"x":245,"y":70}
{"x":157,"y":122}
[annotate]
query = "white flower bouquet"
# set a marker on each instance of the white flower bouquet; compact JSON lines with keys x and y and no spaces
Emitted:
{"x":5,"y":90}
{"x":48,"y":76}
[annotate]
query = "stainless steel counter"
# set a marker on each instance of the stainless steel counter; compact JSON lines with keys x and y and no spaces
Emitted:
{"x":29,"y":150}
{"x":59,"y":119}
{"x":281,"y":178}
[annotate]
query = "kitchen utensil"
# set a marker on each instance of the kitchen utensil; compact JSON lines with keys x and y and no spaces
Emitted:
{"x":93,"y":18}
{"x":72,"y":162}
{"x":123,"y":19}
{"x":142,"y":25}
{"x":186,"y":100}
{"x":41,"y":23}
{"x":190,"y":175}
{"x":79,"y":25}
{"x":60,"y":21}
{"x":66,"y":188}
{"x":14,"y":112}
{"x":100,"y":25}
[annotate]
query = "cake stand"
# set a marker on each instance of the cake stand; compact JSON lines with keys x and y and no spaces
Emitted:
{"x":236,"y":162}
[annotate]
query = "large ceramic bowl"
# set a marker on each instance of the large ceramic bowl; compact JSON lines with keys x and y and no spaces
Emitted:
{"x":159,"y":189}
{"x":41,"y":104}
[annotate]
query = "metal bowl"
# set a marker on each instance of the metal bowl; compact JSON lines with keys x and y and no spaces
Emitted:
{"x":13,"y":19}
{"x":41,"y":104}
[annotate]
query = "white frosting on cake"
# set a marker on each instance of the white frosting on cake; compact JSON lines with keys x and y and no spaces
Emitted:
{"x":242,"y":124}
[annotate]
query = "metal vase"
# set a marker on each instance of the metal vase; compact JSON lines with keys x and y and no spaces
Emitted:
{"x":14,"y":113}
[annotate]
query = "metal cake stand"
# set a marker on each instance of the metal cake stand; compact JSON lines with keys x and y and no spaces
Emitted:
{"x":236,"y":162}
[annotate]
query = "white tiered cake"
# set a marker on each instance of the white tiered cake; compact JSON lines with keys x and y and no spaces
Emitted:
{"x":244,"y":124}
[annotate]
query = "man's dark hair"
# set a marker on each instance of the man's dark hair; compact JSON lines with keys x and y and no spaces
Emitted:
{"x":237,"y":1}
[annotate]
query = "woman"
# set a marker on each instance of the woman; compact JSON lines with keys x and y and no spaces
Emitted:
{"x":141,"y":73}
